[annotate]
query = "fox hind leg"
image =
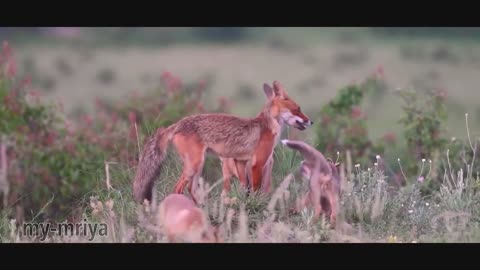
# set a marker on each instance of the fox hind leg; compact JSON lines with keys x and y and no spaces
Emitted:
{"x":241,"y":170}
{"x":192,"y":153}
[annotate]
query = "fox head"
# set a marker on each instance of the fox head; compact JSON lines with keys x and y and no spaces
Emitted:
{"x":283,"y":108}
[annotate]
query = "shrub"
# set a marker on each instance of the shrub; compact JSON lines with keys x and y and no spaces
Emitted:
{"x":343,"y":124}
{"x":54,"y":161}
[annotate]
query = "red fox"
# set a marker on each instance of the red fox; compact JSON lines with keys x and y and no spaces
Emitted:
{"x":324,"y":180}
{"x":182,"y":220}
{"x":224,"y":135}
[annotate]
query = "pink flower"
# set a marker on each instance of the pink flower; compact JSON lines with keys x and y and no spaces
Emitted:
{"x":11,"y":68}
{"x":356,"y":112}
{"x":420,"y":179}
{"x":6,"y":50}
{"x":173,"y":83}
{"x":51,"y":137}
{"x":88,"y":120}
{"x":114,"y":118}
{"x":35,"y":95}
{"x":26,"y":81}
{"x":389,"y":137}
{"x":132,"y":117}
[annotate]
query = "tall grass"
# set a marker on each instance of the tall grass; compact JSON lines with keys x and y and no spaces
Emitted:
{"x":80,"y":170}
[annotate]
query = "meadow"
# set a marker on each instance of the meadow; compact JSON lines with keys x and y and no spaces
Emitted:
{"x":399,"y":114}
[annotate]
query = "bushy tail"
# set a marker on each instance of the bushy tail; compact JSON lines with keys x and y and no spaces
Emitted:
{"x":149,"y":165}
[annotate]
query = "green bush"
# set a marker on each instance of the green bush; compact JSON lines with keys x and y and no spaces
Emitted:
{"x":54,"y":161}
{"x":343,"y":124}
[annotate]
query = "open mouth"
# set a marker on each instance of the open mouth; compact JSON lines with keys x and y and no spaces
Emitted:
{"x":300,"y":125}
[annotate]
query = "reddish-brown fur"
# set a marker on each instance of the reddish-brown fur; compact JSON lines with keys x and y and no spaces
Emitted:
{"x":225,"y":135}
{"x":229,"y":169}
{"x":324,"y":181}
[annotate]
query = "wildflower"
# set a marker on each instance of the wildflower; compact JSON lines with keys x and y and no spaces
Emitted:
{"x":173,"y":83}
{"x":356,"y":112}
{"x":427,"y":204}
{"x":6,"y":49}
{"x":410,"y":211}
{"x":378,"y":157}
{"x":420,"y":179}
{"x":11,"y":68}
{"x":88,"y":120}
{"x":26,"y":81}
{"x":132,"y":117}
{"x":423,"y":160}
{"x":389,"y":137}
{"x":51,"y":137}
{"x":392,"y":239}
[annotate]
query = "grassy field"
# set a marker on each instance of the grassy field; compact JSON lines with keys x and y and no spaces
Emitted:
{"x":99,"y":82}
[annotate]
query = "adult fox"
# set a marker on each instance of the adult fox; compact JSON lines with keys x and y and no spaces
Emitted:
{"x":227,"y":136}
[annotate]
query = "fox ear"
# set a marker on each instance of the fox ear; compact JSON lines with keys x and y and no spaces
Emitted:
{"x":279,"y":90}
{"x":268,"y":91}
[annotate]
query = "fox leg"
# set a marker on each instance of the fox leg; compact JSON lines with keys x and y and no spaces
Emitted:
{"x":333,"y":208}
{"x":315,"y":199}
{"x":197,"y":171}
{"x":262,"y":162}
{"x":227,"y":174}
{"x":266,"y":185}
{"x":241,"y":170}
{"x":192,"y":153}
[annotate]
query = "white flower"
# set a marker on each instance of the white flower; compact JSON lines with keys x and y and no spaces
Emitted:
{"x":378,"y":156}
{"x":410,"y":211}
{"x":357,"y":165}
{"x":429,"y":161}
{"x":376,"y":164}
{"x":423,"y":160}
{"x":427,"y":204}
{"x":398,"y":159}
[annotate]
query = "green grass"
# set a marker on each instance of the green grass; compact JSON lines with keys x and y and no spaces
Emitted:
{"x":372,"y":207}
{"x":369,"y":210}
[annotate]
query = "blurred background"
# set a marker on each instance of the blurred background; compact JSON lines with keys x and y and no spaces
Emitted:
{"x":77,"y":65}
{"x":117,"y":85}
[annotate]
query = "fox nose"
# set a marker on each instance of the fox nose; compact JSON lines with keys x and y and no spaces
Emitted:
{"x":309,"y":123}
